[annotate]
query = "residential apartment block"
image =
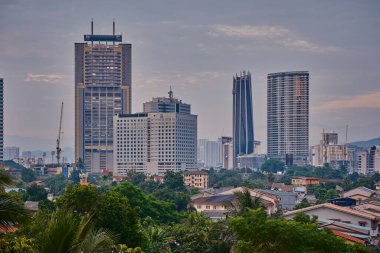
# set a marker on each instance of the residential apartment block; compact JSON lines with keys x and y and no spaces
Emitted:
{"x":288,"y":117}
{"x":196,"y":179}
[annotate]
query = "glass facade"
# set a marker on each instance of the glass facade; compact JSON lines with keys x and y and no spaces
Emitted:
{"x":243,"y":135}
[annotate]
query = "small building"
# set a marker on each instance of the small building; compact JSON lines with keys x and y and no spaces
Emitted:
{"x":196,"y":179}
{"x":359,"y":193}
{"x":350,"y":216}
{"x":305,"y":181}
{"x":282,"y":187}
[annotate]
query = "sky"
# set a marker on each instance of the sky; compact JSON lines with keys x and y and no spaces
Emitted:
{"x":196,"y":47}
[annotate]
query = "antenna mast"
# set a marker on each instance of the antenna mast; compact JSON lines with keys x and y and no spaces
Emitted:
{"x":58,"y":148}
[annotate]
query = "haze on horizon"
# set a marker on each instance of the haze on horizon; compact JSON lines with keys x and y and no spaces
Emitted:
{"x":196,"y":47}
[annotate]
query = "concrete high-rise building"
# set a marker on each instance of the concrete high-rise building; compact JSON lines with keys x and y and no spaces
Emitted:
{"x":288,"y":116}
{"x":154,"y":142}
{"x":1,"y":119}
{"x":374,"y":158}
{"x":103,"y":82}
{"x":227,"y":152}
{"x":11,"y":153}
{"x":209,"y":153}
{"x":243,"y":136}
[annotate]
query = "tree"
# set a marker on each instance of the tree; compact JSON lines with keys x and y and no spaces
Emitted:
{"x":174,"y":181}
{"x":35,"y":193}
{"x":273,"y":166}
{"x":56,"y":184}
{"x":304,"y":218}
{"x":79,"y":198}
{"x":64,"y":233}
{"x":244,"y":201}
{"x":75,"y":176}
{"x":179,"y":199}
{"x":255,"y":232}
{"x":28,"y":175}
{"x":136,"y":178}
{"x":158,"y":239}
{"x":12,"y":211}
{"x":116,"y":214}
{"x":304,"y":203}
{"x":161,"y":211}
{"x":192,"y":235}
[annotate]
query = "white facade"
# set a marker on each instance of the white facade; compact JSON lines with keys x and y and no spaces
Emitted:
{"x":227,"y":155}
{"x":153,"y":143}
{"x":209,"y":153}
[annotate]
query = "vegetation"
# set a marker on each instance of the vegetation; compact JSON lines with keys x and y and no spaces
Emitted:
{"x":152,"y":217}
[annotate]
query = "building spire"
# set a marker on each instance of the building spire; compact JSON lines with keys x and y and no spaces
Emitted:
{"x":170,"y":93}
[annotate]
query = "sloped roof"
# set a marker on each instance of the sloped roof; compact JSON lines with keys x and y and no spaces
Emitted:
{"x":13,"y":165}
{"x":348,"y":237}
{"x":214,"y":199}
{"x":359,"y":190}
{"x":336,"y":208}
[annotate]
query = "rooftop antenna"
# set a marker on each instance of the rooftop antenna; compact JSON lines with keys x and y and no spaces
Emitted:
{"x":113,"y":26}
{"x":170,"y":93}
{"x":92,"y":30}
{"x":345,"y":146}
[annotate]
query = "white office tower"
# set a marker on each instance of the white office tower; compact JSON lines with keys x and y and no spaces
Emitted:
{"x":154,"y":142}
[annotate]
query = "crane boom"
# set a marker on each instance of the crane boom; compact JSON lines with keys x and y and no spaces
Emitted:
{"x":58,"y":148}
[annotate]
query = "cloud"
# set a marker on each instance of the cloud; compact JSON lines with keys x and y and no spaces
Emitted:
{"x":276,"y":34}
{"x":364,"y":101}
{"x":246,"y":31}
{"x":157,"y":80}
{"x":304,"y":45}
{"x":41,"y":78}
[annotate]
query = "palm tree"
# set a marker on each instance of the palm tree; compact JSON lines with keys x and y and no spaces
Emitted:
{"x":158,"y":239}
{"x":12,"y":211}
{"x":64,"y":233}
{"x":244,"y":201}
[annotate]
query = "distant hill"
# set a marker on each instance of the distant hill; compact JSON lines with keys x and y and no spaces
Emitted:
{"x":366,"y":144}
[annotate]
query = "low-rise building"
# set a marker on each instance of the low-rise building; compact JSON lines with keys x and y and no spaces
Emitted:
{"x":359,"y":193}
{"x":218,"y":206}
{"x":352,"y":218}
{"x":196,"y":179}
{"x":302,"y":184}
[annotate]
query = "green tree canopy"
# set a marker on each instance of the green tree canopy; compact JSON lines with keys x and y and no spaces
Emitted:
{"x":273,"y":166}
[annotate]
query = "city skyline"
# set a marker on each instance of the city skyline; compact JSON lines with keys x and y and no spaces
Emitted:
{"x":342,"y":60}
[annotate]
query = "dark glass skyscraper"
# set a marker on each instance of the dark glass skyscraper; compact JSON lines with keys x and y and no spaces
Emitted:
{"x":102,"y":89}
{"x":243,"y":136}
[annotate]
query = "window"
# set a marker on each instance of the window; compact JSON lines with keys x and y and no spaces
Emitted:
{"x":362,"y":223}
{"x":207,"y":207}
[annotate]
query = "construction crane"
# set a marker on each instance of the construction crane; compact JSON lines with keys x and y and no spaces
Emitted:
{"x":58,"y":148}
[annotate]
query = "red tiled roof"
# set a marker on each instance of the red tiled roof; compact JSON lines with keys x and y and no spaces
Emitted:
{"x":348,"y":237}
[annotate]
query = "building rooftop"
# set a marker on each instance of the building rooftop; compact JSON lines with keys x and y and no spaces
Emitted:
{"x":198,"y":172}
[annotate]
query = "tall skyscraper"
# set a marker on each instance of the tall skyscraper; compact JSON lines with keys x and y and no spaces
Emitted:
{"x":103,"y":82}
{"x":154,"y":142}
{"x":1,"y":119}
{"x":243,"y":136}
{"x":288,"y":116}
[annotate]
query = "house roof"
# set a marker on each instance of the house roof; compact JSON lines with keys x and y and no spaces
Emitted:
{"x":287,"y":199}
{"x":359,"y":190}
{"x":348,"y":237}
{"x":13,"y":165}
{"x":282,"y":187}
{"x":198,"y":172}
{"x":336,"y":208}
{"x":214,"y":199}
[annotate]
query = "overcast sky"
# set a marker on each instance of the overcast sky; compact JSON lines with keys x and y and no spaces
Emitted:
{"x":195,"y":46}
